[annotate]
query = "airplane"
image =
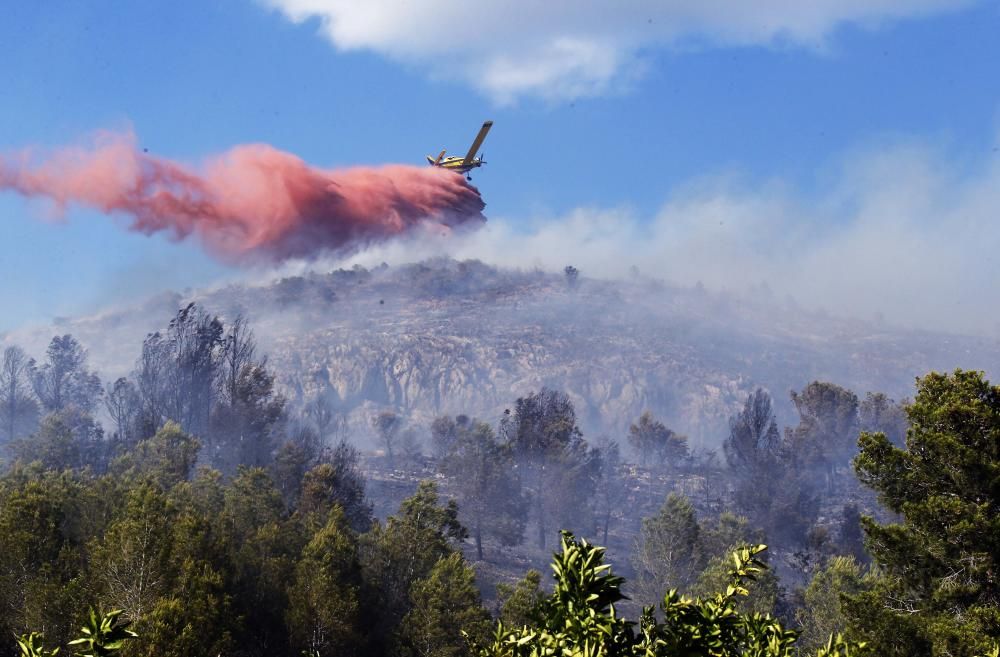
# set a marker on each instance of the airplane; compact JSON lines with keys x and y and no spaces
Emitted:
{"x":467,"y":163}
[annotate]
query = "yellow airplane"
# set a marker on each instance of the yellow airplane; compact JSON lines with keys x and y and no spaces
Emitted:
{"x":467,"y":163}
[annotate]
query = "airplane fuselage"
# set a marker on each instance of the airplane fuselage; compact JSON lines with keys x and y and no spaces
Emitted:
{"x":456,"y":164}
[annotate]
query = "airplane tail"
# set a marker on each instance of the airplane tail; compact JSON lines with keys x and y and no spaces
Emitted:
{"x":430,"y":160}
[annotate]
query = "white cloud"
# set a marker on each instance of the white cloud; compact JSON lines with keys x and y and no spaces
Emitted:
{"x":558,"y":49}
{"x":898,"y":233}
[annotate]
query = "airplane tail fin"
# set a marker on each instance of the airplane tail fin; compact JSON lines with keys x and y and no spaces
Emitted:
{"x":438,"y":160}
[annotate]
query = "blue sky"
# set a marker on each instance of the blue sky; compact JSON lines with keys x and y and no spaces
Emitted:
{"x":693,"y":112}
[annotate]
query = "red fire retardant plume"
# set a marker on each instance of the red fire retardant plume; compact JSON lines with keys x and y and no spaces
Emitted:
{"x":251,"y":202}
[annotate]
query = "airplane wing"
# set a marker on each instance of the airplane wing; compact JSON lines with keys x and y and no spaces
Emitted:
{"x":471,"y":155}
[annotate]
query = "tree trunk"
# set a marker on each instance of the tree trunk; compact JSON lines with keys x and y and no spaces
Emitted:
{"x":541,"y":522}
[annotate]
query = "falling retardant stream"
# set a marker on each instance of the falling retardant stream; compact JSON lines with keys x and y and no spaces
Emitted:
{"x":253,"y":202}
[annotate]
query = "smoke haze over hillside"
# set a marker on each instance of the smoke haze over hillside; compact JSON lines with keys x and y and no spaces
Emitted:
{"x":902,"y":233}
{"x":463,"y":337}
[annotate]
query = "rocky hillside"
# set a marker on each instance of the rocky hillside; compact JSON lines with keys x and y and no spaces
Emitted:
{"x":463,"y":337}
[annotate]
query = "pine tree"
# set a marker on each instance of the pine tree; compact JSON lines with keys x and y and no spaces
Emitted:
{"x":446,"y":613}
{"x":324,"y":599}
{"x":490,"y":502}
{"x":940,"y":593}
{"x":669,"y":553}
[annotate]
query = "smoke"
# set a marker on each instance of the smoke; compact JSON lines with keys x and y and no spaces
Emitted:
{"x":251,"y":203}
{"x":904,"y":232}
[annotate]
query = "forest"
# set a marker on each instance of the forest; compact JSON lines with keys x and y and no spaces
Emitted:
{"x":190,"y":509}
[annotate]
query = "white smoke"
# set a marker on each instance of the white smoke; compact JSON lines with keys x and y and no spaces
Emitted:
{"x":898,"y":234}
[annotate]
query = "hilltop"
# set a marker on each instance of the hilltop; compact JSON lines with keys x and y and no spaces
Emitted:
{"x":451,"y":337}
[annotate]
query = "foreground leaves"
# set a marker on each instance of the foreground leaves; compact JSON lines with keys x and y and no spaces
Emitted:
{"x":103,"y":634}
{"x":579,"y":618}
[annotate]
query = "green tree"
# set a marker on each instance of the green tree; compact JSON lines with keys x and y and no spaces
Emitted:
{"x":669,"y":553}
{"x":446,"y":612}
{"x":939,"y":593}
{"x":167,"y":458}
{"x":558,"y":470}
{"x":405,"y":550}
{"x":822,"y":610}
{"x":731,"y":532}
{"x":761,"y":598}
{"x":324,"y":598}
{"x":337,"y":481}
{"x":653,"y":441}
{"x":880,"y":414}
{"x":160,"y":563}
{"x":520,"y":603}
{"x":825,"y":438}
{"x":43,"y":531}
{"x":489,"y":495}
{"x":130,"y":563}
{"x":263,"y":545}
{"x":53,"y":445}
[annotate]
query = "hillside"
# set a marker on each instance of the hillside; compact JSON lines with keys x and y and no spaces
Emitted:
{"x":463,"y":337}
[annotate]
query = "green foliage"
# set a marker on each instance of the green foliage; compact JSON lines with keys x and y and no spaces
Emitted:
{"x":405,"y":550}
{"x":520,"y":603}
{"x":103,"y":634}
{"x":675,"y":551}
{"x":828,"y":424}
{"x":579,"y":618}
{"x":446,"y":613}
{"x":337,"y":481}
{"x":66,"y":439}
{"x":167,"y":458}
{"x":489,"y":495}
{"x":771,"y":487}
{"x":324,"y":607}
{"x":262,"y":547}
{"x":822,"y":613}
{"x":879,"y":414}
{"x":557,"y":469}
{"x":939,"y":593}
{"x":44,"y":522}
{"x":669,"y":554}
{"x":30,"y":645}
{"x":762,"y":597}
{"x":653,"y":441}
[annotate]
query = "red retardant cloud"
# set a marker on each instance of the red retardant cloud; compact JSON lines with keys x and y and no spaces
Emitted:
{"x":251,"y":202}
